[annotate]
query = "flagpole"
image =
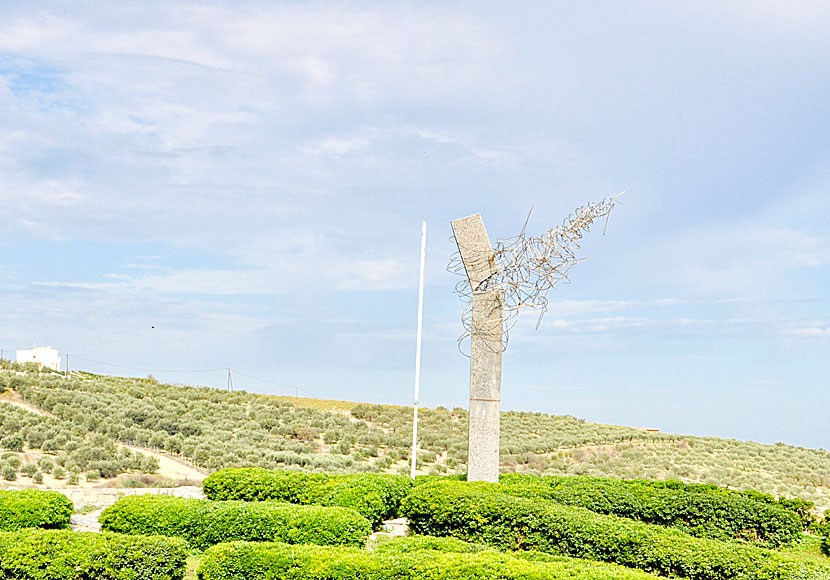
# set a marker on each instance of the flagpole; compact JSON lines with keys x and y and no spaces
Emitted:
{"x":418,"y":350}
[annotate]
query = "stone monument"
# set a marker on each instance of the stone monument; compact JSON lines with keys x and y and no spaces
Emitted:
{"x":500,"y":281}
{"x":485,"y":349}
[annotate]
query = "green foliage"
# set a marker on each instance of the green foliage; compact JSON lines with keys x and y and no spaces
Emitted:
{"x":80,"y":447}
{"x":480,"y":512}
{"x":28,"y":469}
{"x":825,"y":546}
{"x":699,"y":510}
{"x":32,"y":508}
{"x":12,"y":442}
{"x":46,"y":464}
{"x":204,"y":523}
{"x":216,"y":429}
{"x":377,"y":497}
{"x":8,"y":472}
{"x":68,"y":555}
{"x":394,"y":561}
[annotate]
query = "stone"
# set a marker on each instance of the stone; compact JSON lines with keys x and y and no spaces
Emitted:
{"x":485,"y":349}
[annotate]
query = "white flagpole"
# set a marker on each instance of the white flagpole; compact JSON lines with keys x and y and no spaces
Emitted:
{"x":418,"y":350}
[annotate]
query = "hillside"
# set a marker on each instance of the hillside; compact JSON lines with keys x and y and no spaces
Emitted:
{"x":85,"y":422}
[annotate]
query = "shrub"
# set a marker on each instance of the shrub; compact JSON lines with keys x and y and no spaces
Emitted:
{"x":28,"y":469}
{"x":12,"y":442}
{"x":204,"y":523}
{"x":33,"y":508}
{"x":377,"y":497}
{"x":8,"y":472}
{"x":825,"y":546}
{"x":398,"y":560}
{"x":46,"y":464}
{"x":480,"y":512}
{"x":703,"y":511}
{"x":68,"y":555}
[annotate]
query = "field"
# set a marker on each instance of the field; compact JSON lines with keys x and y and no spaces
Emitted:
{"x":297,"y":485}
{"x":105,"y":426}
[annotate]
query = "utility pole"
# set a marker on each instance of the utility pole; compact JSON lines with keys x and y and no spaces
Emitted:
{"x":67,"y":366}
{"x":230,"y":381}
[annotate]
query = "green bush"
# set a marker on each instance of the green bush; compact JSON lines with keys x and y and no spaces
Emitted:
{"x":204,"y":523}
{"x":8,"y":472}
{"x":480,"y":512}
{"x":12,"y":442}
{"x":68,"y":555}
{"x":703,"y":511}
{"x":395,"y":561}
{"x":32,"y":508}
{"x":377,"y":497}
{"x":825,"y":546}
{"x":28,"y":469}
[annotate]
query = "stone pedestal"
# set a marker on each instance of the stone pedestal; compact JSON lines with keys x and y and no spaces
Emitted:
{"x":485,"y":386}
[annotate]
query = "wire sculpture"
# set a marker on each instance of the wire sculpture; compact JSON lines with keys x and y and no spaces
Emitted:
{"x":525,"y":267}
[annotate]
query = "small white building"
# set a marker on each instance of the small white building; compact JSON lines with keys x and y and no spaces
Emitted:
{"x":45,"y":356}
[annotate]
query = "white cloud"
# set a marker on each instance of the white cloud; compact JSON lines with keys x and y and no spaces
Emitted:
{"x":810,"y":332}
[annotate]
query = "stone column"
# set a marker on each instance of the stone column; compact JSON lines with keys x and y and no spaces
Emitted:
{"x":485,"y":349}
{"x":485,"y":386}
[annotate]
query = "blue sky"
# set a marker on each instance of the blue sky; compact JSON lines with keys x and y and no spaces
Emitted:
{"x":201,"y":185}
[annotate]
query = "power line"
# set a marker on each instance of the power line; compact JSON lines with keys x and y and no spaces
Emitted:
{"x":296,"y":388}
{"x":145,"y":369}
{"x":274,"y":383}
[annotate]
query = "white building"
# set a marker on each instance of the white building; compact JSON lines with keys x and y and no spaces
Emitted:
{"x":45,"y":356}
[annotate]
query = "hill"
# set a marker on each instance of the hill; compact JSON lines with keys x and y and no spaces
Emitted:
{"x":88,"y":427}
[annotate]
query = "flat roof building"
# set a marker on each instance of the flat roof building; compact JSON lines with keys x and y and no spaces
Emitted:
{"x":44,"y":356}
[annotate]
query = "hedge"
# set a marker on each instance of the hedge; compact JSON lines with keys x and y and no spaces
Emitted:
{"x":271,"y":561}
{"x":375,"y":496}
{"x":480,"y":512}
{"x":703,"y":511}
{"x":69,"y":555}
{"x":33,"y":508}
{"x":204,"y":523}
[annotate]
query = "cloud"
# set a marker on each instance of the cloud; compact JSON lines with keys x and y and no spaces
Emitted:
{"x":810,"y":332}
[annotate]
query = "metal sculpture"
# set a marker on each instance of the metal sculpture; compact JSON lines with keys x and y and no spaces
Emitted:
{"x":499,"y":281}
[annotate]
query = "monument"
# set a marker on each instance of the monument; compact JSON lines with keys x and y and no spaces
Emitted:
{"x":499,"y":281}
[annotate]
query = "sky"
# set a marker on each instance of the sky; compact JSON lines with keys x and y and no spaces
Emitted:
{"x":187,"y":187}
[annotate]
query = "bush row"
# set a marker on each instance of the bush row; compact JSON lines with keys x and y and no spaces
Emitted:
{"x":375,"y":496}
{"x":269,"y":561}
{"x":68,"y":555}
{"x":481,"y":512}
{"x":204,"y":523}
{"x":703,"y":511}
{"x":32,"y":508}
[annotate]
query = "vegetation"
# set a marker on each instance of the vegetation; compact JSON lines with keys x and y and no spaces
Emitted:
{"x":216,"y":429}
{"x":205,"y":523}
{"x":700,"y":510}
{"x":32,"y":508}
{"x":67,"y":555}
{"x":76,"y":449}
{"x":377,"y":497}
{"x":480,"y":512}
{"x":246,"y":561}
